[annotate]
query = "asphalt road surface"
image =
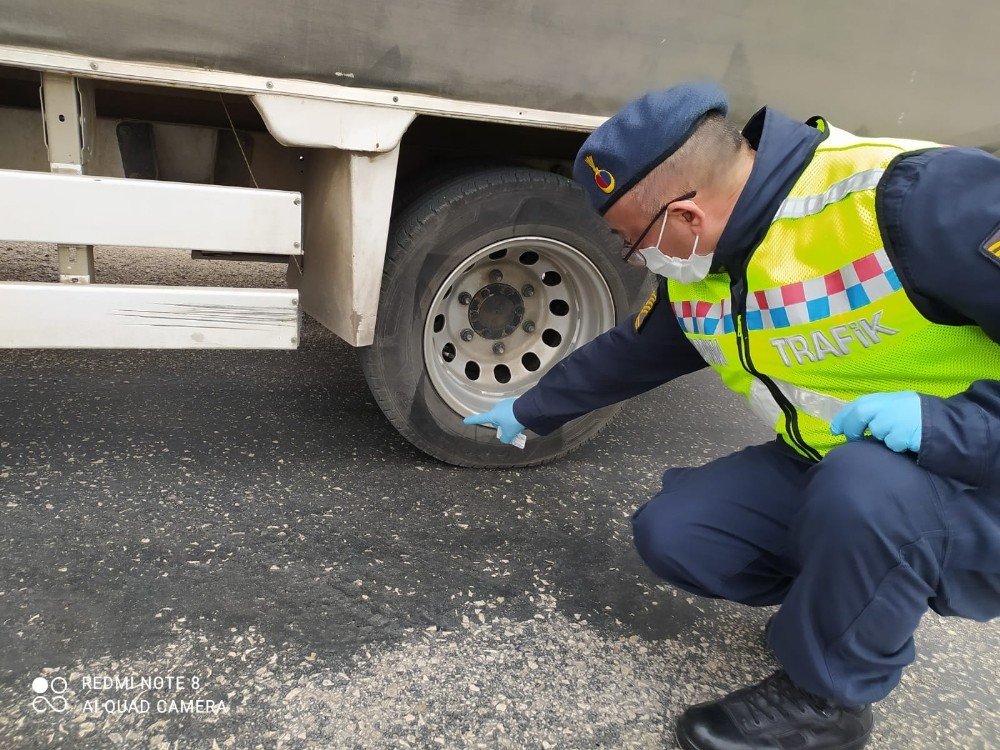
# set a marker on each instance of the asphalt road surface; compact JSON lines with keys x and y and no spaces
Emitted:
{"x":235,"y":550}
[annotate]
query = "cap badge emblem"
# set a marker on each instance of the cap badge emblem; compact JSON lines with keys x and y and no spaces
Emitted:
{"x":602,"y":177}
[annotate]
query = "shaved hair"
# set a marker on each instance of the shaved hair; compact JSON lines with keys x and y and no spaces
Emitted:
{"x":704,"y":161}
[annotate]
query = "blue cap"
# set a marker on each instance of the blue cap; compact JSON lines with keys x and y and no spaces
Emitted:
{"x":643,"y":133}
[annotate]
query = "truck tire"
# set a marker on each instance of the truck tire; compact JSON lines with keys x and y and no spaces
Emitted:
{"x":489,"y":280}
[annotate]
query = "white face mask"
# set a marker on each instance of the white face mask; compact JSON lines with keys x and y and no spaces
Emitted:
{"x":685,"y":270}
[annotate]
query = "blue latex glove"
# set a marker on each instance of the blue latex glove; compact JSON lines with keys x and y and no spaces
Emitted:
{"x":502,"y":416}
{"x":893,"y":418}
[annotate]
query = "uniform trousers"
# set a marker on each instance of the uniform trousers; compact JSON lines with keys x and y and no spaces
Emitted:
{"x":855,"y":548}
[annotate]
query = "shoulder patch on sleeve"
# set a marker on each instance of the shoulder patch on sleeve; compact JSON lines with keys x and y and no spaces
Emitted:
{"x":654,"y":299}
{"x":991,"y":246}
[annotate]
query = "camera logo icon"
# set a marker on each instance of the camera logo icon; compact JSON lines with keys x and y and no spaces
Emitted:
{"x":48,"y":695}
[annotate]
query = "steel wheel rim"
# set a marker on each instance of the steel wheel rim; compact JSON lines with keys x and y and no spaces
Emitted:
{"x":569,"y":303}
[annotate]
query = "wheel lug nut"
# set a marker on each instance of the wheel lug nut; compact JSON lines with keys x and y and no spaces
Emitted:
{"x":496,"y":276}
{"x":528,"y":290}
{"x":464,"y":298}
{"x":499,"y":348}
{"x":467,"y":334}
{"x":529,"y":326}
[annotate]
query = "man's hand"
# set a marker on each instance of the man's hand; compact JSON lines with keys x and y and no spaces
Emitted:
{"x":893,"y":418}
{"x":502,"y":416}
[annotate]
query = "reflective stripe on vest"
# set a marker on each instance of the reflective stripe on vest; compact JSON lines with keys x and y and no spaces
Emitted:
{"x":818,"y":405}
{"x":796,"y":208}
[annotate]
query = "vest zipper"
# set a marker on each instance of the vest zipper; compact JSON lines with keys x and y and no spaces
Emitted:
{"x":739,"y":289}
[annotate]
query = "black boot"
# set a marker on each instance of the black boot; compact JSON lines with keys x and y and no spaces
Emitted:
{"x":774,"y":715}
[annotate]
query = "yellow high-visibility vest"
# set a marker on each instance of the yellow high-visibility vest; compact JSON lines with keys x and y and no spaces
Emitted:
{"x":824,"y":318}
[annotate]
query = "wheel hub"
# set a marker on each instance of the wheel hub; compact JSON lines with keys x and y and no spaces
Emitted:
{"x":507,"y":313}
{"x":496,"y":311}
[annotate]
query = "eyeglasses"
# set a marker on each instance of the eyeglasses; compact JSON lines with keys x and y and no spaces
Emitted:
{"x":629,"y":254}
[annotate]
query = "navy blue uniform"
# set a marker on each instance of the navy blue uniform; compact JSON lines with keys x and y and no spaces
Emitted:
{"x":857,"y":546}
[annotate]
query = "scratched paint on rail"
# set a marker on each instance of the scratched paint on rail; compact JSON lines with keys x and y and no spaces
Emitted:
{"x":235,"y":317}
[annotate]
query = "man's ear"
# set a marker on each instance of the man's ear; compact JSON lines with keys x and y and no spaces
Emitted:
{"x":690,"y":213}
